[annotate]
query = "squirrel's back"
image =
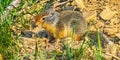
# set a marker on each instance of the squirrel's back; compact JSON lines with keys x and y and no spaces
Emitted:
{"x":62,"y":25}
{"x":73,"y":20}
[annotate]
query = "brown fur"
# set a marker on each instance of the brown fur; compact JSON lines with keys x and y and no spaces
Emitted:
{"x":63,"y":26}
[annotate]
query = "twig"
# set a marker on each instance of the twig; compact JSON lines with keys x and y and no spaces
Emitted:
{"x":59,"y":4}
{"x":106,"y":38}
{"x":112,"y":56}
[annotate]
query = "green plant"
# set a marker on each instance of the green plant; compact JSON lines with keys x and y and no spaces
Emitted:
{"x":99,"y":48}
{"x":36,"y":50}
{"x":7,"y":41}
{"x":6,"y":37}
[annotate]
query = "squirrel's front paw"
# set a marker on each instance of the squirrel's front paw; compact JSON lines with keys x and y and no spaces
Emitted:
{"x":42,"y":34}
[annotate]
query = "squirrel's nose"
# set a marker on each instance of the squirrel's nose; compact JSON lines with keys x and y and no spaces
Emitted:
{"x":34,"y":25}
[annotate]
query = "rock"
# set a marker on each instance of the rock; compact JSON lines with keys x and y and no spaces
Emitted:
{"x":110,"y":49}
{"x":100,"y":24}
{"x":110,"y":31}
{"x":92,"y":28}
{"x":114,"y":21}
{"x":118,"y":35}
{"x":91,"y":15}
{"x":80,"y":3}
{"x":107,"y":14}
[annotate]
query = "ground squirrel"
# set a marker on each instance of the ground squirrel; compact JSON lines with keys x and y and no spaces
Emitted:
{"x":60,"y":25}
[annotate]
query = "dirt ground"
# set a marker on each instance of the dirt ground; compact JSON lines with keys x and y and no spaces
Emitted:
{"x":103,"y":15}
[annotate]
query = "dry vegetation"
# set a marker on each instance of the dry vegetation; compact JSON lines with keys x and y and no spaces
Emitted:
{"x":102,"y":40}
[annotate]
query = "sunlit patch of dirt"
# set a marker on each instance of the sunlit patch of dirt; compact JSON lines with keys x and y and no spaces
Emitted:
{"x":105,"y":15}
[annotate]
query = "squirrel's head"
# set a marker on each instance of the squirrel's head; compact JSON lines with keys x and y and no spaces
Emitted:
{"x":49,"y":17}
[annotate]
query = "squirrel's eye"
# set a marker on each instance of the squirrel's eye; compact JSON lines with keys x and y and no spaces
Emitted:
{"x":43,"y":18}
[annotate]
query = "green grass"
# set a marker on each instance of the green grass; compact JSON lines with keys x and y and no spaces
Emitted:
{"x":6,"y":35}
{"x":8,"y":47}
{"x":99,"y":48}
{"x":36,"y":51}
{"x":4,"y":4}
{"x":80,"y":52}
